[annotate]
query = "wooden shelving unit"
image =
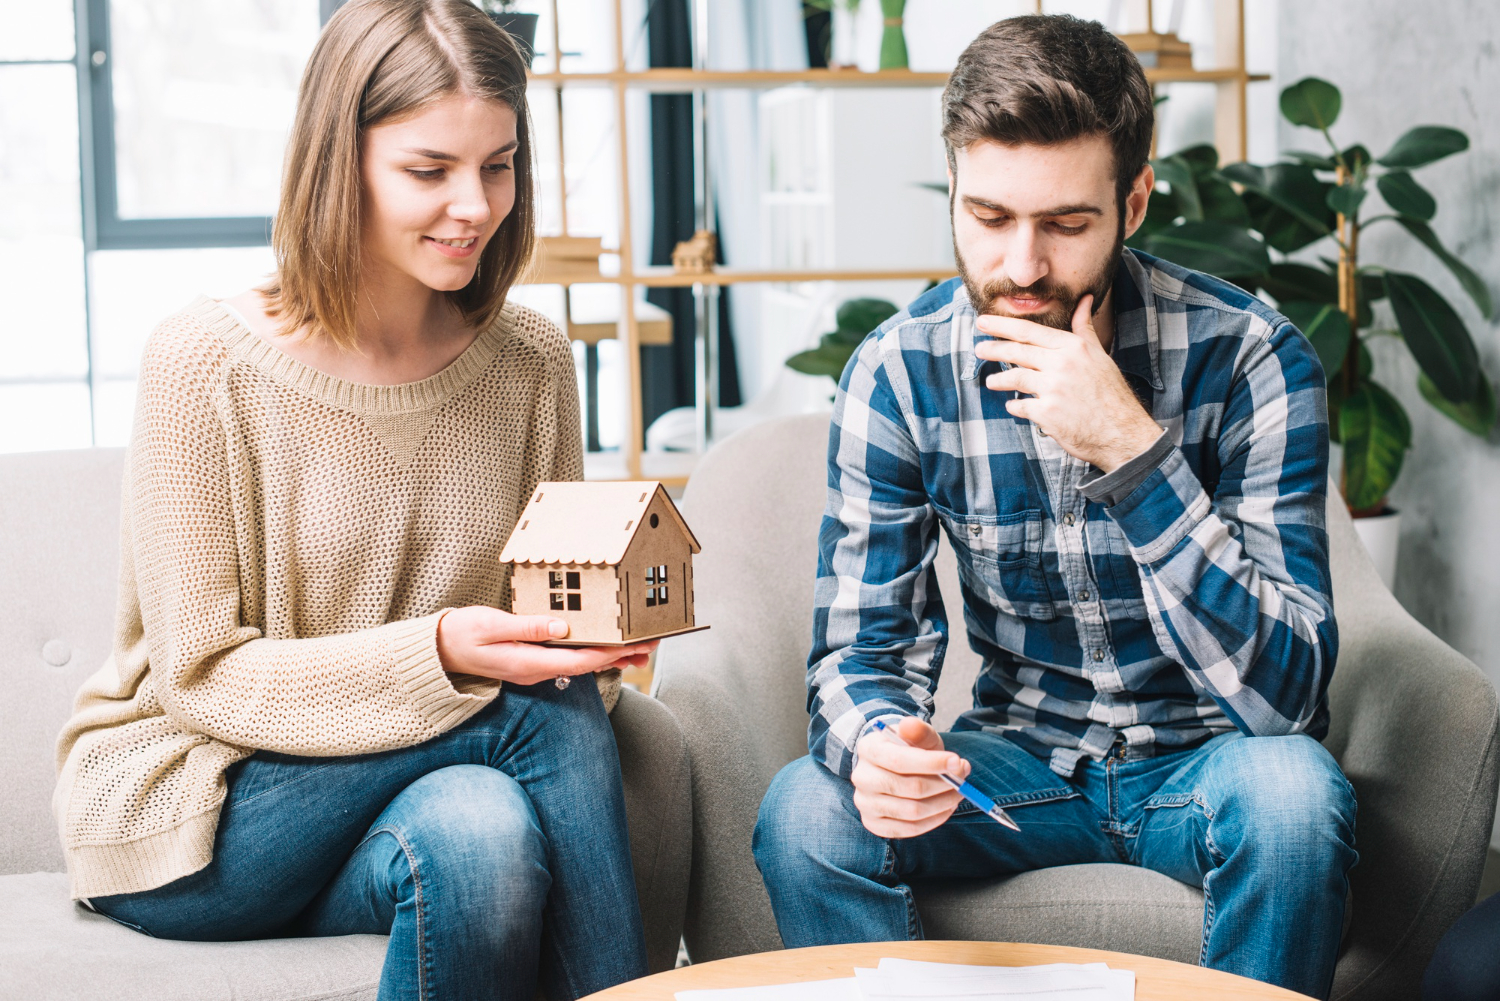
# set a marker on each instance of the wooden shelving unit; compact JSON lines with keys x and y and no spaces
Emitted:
{"x":1230,"y":79}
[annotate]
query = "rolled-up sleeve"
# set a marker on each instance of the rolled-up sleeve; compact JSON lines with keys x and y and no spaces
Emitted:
{"x":879,"y":632}
{"x":1237,"y":583}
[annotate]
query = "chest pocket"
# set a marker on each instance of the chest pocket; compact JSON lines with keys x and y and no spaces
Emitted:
{"x":1001,"y":558}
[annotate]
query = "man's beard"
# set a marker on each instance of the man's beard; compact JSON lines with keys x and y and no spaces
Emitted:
{"x":1064,"y":299}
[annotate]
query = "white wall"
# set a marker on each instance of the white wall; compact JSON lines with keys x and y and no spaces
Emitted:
{"x":1401,"y":64}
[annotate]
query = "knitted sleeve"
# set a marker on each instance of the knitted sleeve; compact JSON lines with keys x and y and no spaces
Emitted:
{"x":372,"y":690}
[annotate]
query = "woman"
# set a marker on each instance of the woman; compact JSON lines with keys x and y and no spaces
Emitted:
{"x":316,"y":720}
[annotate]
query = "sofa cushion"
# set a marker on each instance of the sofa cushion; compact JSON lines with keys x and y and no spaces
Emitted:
{"x":1122,"y":908}
{"x":51,"y":948}
{"x":59,"y":559}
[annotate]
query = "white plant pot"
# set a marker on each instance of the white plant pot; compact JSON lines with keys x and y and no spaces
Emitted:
{"x":845,"y":36}
{"x":1381,"y":536}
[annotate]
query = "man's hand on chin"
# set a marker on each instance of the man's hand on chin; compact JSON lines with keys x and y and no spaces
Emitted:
{"x":1078,"y":395}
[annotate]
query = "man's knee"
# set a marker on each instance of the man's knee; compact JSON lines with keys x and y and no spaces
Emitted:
{"x":1285,"y":794}
{"x":807,"y":815}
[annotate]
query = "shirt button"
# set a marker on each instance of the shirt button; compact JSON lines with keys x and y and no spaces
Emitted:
{"x":1098,"y":655}
{"x":1083,"y":596}
{"x":973,"y":529}
{"x":1068,"y":519}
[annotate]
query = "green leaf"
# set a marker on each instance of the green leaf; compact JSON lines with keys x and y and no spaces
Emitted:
{"x":1177,"y":174}
{"x":864,"y":315}
{"x":1405,"y":196}
{"x":1476,"y":416}
{"x":1220,"y":203}
{"x":1293,"y":188}
{"x":1438,"y":339}
{"x":1472,"y":283}
{"x":1325,"y":327}
{"x":1317,"y":161}
{"x":1423,"y":145}
{"x":1203,"y":159}
{"x":1356,"y":157}
{"x":1311,"y":102}
{"x":1345,"y":199}
{"x":1291,"y":282}
{"x":1371,"y":285}
{"x":844,"y":338}
{"x":1376,"y":434}
{"x":1161,"y":212}
{"x":1214,"y":247}
{"x":819,"y":361}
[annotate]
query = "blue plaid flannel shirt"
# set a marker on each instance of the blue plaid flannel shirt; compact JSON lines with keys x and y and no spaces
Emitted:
{"x":1198,"y":603}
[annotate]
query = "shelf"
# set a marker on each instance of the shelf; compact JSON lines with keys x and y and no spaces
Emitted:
{"x":681,"y":80}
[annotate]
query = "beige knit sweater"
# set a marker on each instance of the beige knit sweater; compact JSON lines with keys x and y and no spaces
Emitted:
{"x":289,"y":541}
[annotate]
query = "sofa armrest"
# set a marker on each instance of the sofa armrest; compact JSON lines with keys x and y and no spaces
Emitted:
{"x":654,"y":765}
{"x":1415,"y":729}
{"x":728,"y":910}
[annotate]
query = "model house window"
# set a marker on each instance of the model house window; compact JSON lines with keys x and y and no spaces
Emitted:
{"x":656,"y":586}
{"x":565,"y":589}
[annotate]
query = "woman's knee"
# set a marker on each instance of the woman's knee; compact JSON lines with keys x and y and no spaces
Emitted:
{"x":470,"y":823}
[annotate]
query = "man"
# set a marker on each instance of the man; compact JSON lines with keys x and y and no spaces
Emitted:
{"x":1130,"y":460}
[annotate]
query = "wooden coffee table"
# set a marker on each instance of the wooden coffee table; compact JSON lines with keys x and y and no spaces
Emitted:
{"x":1155,"y":979}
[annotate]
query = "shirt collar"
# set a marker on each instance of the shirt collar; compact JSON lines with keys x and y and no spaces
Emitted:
{"x":1136,"y":344}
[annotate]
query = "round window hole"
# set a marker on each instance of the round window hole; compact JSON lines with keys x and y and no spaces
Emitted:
{"x":655,"y":521}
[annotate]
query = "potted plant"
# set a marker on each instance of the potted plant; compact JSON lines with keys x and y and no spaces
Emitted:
{"x":1227,"y":221}
{"x":522,"y":27}
{"x":855,"y":319}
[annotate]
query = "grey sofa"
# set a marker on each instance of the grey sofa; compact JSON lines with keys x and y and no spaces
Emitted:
{"x":59,"y":541}
{"x":1414,"y":726}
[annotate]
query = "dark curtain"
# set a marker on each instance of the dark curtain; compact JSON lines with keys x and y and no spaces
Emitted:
{"x":667,"y":371}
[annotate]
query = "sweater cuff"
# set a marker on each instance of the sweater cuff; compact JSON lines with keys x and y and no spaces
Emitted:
{"x":1112,"y":487}
{"x":420,"y":673}
{"x":1159,"y":513}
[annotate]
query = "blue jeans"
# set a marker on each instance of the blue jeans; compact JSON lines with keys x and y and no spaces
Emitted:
{"x":1265,"y":825}
{"x":1466,"y":964}
{"x":492,"y":854}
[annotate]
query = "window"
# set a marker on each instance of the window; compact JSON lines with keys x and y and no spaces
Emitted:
{"x":565,"y":589}
{"x":191,"y":104}
{"x":656,"y":586}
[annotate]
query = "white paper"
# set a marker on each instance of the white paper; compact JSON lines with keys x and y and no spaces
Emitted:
{"x":901,"y":979}
{"x":842,"y":989}
{"x":912,"y":980}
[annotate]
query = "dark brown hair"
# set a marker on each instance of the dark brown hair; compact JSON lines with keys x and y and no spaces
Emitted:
{"x":376,"y":61}
{"x":1044,"y":79}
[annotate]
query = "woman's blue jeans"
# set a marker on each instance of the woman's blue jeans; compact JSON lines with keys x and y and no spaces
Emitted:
{"x":1264,"y":825}
{"x":492,"y":854}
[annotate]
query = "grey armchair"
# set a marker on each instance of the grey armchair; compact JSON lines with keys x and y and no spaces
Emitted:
{"x":59,"y":542}
{"x":1414,"y":727}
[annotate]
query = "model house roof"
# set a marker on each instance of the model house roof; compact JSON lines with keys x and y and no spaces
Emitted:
{"x":586,"y":522}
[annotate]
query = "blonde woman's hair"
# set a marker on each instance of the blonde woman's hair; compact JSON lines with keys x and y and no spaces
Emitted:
{"x":378,"y":60}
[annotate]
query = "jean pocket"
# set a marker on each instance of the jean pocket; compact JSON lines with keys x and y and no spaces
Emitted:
{"x":1028,"y":798}
{"x":1001,"y":558}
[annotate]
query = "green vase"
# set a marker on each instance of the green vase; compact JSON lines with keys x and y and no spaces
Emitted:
{"x":892,"y":40}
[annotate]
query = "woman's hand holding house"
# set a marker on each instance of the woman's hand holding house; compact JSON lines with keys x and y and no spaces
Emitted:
{"x":487,"y":642}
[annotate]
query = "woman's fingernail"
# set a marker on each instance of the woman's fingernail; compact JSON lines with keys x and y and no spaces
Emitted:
{"x":557,"y":628}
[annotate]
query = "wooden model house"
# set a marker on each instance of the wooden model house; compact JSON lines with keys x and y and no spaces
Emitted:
{"x":612,"y":559}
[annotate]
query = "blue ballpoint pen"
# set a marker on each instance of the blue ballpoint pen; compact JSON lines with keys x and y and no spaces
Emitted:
{"x":965,"y":790}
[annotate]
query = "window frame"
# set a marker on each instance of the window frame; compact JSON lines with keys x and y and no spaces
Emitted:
{"x":103,"y":228}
